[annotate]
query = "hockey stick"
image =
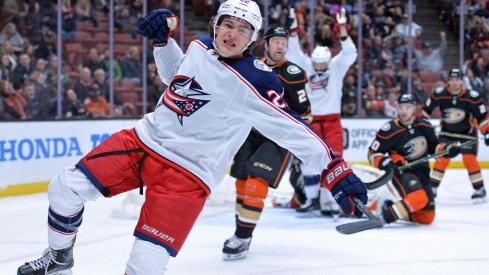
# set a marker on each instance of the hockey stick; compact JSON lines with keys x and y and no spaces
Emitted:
{"x":355,"y":227}
{"x":447,"y":134}
{"x":378,"y":183}
{"x":428,"y":157}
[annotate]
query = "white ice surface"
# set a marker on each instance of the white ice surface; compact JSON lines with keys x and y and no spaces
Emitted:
{"x":456,"y":243}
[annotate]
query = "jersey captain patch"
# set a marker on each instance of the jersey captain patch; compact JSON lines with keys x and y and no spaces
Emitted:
{"x":261,"y":66}
{"x":177,"y":97}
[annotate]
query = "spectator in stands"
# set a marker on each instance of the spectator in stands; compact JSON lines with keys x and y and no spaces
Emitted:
{"x":8,"y":50}
{"x":403,"y":28}
{"x":131,"y":65}
{"x":35,"y":108}
{"x":69,"y":22}
{"x":93,"y":61}
{"x":9,"y":12}
{"x":349,"y":97}
{"x":373,"y":106}
{"x":5,"y":68}
{"x":40,"y":66}
{"x":325,"y":36}
{"x":84,"y":12}
{"x":82,"y":87}
{"x":473,"y":82}
{"x":13,"y":103}
{"x":95,"y":105}
{"x":480,"y":68}
{"x":52,"y":85}
{"x":390,"y":109}
{"x":419,"y":95}
{"x":47,"y":46}
{"x":121,"y":108}
{"x":72,"y":106}
{"x":116,"y":68}
{"x":34,"y":21}
{"x":478,"y":37}
{"x":53,"y":67}
{"x":22,"y":71}
{"x":10,"y":33}
{"x":429,"y":59}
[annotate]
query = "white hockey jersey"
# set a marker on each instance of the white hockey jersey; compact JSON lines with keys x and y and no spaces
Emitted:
{"x":210,"y":106}
{"x":324,"y":90}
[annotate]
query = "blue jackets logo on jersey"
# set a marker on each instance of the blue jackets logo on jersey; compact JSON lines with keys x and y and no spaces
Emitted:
{"x":177,"y":97}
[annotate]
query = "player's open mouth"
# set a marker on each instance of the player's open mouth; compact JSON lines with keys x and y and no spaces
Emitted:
{"x":229,"y":44}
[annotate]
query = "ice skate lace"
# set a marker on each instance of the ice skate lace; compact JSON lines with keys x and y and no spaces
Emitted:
{"x":44,"y":261}
{"x":235,"y":242}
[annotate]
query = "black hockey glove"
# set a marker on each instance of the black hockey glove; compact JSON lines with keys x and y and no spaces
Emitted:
{"x":486,"y":138}
{"x":343,"y":184}
{"x":158,"y":25}
{"x":453,"y":150}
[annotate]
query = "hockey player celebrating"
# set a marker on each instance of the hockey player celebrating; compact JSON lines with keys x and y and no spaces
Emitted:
{"x":217,"y":92}
{"x":324,"y":89}
{"x":408,"y":138}
{"x":260,"y":163}
{"x":462,"y":109}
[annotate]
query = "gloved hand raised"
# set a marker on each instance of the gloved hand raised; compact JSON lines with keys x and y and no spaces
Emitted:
{"x":291,"y":21}
{"x":341,"y":18}
{"x":343,"y":184}
{"x":158,"y":25}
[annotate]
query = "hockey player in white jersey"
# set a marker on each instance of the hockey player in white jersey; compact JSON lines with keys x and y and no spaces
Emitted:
{"x":216,"y":93}
{"x":324,"y":89}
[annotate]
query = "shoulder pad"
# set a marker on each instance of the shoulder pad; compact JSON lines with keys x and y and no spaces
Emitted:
{"x":439,"y":90}
{"x":386,"y":127}
{"x":473,"y":94}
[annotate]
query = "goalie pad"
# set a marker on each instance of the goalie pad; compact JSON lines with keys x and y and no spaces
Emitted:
{"x":377,"y":196}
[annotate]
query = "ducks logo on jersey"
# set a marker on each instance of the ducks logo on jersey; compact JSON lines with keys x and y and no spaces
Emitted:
{"x":177,"y":97}
{"x":416,"y":147}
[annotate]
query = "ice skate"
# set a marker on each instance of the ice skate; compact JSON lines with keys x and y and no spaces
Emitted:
{"x":235,"y":248}
{"x":311,"y":209}
{"x":479,"y":195}
{"x":52,"y":262}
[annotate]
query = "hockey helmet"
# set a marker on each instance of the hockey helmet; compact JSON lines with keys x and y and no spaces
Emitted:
{"x":244,"y":10}
{"x":275,"y":32}
{"x":406,"y":98}
{"x":455,"y":72}
{"x":321,"y":55}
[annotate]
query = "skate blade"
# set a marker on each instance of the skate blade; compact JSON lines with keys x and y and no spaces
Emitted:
{"x":234,"y":257}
